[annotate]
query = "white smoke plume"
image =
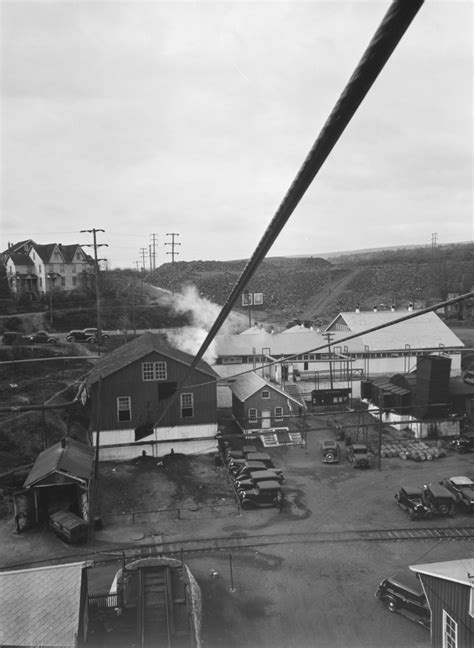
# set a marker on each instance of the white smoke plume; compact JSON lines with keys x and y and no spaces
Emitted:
{"x":203,"y":313}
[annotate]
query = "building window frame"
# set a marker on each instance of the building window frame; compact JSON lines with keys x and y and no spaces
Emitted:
{"x":450,"y":631}
{"x":252,"y":414}
{"x":265,"y":394}
{"x":153,"y":371}
{"x":278,"y":413}
{"x":124,"y":409}
{"x":187,"y":405}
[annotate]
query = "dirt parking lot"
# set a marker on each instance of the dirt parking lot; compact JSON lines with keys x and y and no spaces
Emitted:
{"x":296,"y":595}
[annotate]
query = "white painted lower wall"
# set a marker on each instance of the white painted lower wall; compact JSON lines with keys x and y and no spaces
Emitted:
{"x":185,"y":439}
{"x":420,"y":429}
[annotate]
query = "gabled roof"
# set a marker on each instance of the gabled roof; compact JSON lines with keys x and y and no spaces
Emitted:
{"x":458,"y":571}
{"x":68,"y":457}
{"x":45,"y":251}
{"x":41,"y":606}
{"x":425,"y":331}
{"x":68,"y":251}
{"x":138,"y":348}
{"x":18,"y":246}
{"x":248,"y":384}
{"x":19,"y":259}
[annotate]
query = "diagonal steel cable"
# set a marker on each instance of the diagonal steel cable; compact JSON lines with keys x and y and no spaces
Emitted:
{"x":390,"y":31}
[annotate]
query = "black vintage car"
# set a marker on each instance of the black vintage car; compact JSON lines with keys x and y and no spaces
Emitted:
{"x":410,"y":500}
{"x":255,"y":477}
{"x":264,"y":494}
{"x":330,"y":451}
{"x":403,"y":593}
{"x":439,"y":499}
{"x":462,"y":489}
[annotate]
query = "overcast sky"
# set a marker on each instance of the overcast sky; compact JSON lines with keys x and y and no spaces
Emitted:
{"x":194,"y":117}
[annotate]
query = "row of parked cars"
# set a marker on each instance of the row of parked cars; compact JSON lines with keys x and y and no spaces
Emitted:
{"x":357,"y":453}
{"x":438,"y":498}
{"x":88,"y":335}
{"x":256,"y":480}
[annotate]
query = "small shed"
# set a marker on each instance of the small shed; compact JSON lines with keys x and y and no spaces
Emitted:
{"x":45,"y":606}
{"x":60,"y":480}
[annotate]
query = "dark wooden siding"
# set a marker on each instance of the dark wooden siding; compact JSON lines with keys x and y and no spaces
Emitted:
{"x":146,"y":403}
{"x":454,"y":598}
{"x":240,"y":409}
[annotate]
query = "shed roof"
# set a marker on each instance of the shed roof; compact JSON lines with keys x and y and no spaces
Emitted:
{"x":248,"y":384}
{"x":138,"y":348}
{"x":74,"y":458}
{"x":458,"y":571}
{"x":41,"y":606}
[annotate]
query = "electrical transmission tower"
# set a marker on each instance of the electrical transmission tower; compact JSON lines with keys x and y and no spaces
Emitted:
{"x":143,"y":253}
{"x":96,"y":245}
{"x":154,"y":238}
{"x":173,"y":253}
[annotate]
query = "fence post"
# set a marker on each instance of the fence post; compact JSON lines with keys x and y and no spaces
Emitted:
{"x":179,"y":514}
{"x":232,"y":588}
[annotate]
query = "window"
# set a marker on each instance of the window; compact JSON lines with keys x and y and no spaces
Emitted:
{"x":187,"y":405}
{"x":279,"y":413}
{"x":74,"y":281}
{"x":258,"y":299}
{"x":231,"y":360}
{"x":39,"y":267}
{"x":124,"y":408}
{"x":41,"y":282}
{"x":265,"y":393}
{"x":450,"y":631}
{"x":252,"y":414}
{"x":154,"y":370}
{"x":63,"y":281}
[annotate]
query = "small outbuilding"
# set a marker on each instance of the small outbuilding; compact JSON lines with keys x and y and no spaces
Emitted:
{"x":60,"y":480}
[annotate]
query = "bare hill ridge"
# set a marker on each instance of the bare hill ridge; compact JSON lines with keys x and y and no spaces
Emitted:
{"x":316,"y":289}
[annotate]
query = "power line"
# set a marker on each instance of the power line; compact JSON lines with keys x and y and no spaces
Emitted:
{"x":96,"y":245}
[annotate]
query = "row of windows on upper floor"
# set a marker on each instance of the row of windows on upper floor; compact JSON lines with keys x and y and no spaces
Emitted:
{"x":326,"y":357}
{"x":124,"y":407}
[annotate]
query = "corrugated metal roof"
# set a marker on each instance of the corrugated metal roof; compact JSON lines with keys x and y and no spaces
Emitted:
{"x":248,"y":384}
{"x":74,"y":458}
{"x":139,"y":347}
{"x":41,"y":607}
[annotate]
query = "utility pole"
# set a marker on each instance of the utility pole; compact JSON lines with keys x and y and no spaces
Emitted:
{"x":96,"y":245}
{"x":173,"y":253}
{"x":329,"y":335}
{"x":137,"y":263}
{"x":153,"y":243}
{"x":143,"y":252}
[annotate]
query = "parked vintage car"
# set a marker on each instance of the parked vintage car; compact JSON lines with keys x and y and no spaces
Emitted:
{"x":245,"y":468}
{"x":463,"y":444}
{"x":12,"y":337}
{"x":462,"y":489}
{"x":404,"y":594}
{"x":410,"y":500}
{"x":69,"y":527}
{"x":85,"y":335}
{"x":40,"y":337}
{"x":439,"y":499}
{"x":330,"y":451}
{"x":255,"y":477}
{"x":264,"y":494}
{"x":358,"y":455}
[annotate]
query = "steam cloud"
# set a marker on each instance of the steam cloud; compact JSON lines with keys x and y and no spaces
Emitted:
{"x":203,"y":313}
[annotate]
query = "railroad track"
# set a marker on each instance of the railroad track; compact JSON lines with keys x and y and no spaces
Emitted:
{"x":236,"y":542}
{"x":251,"y":541}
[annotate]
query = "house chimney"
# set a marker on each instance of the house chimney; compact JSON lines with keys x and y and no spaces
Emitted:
{"x":357,"y":309}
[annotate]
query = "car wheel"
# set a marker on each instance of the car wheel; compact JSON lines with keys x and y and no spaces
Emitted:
{"x":443,"y":509}
{"x":392,"y":605}
{"x":330,"y":456}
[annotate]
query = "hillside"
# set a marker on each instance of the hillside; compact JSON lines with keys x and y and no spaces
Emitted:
{"x":312,"y":288}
